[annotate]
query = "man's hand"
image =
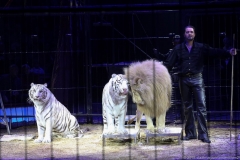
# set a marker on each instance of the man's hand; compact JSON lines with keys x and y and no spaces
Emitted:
{"x":233,"y":51}
{"x":155,"y":51}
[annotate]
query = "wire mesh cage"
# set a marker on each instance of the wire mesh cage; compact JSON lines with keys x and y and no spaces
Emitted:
{"x":76,"y":47}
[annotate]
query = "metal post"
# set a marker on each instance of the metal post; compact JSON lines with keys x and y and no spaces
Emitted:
{"x":231,"y":112}
{"x":5,"y":121}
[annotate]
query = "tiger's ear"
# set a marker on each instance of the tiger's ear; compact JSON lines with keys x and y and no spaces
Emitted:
{"x":45,"y":84}
{"x":31,"y":84}
{"x":113,"y":75}
{"x":124,"y":76}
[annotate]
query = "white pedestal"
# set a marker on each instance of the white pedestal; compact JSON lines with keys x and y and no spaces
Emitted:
{"x":169,"y":131}
{"x":132,"y":133}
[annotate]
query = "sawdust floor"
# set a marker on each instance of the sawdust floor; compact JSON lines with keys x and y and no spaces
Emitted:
{"x":90,"y":146}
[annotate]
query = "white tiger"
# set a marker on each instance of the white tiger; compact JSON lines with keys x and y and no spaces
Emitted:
{"x":114,"y":103}
{"x":51,"y":115}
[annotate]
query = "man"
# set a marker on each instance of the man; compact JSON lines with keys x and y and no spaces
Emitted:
{"x":190,"y":57}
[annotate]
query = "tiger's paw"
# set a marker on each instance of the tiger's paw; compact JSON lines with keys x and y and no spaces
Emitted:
{"x":122,"y":131}
{"x":46,"y":140}
{"x":38,"y":140}
{"x":112,"y":131}
{"x":70,"y":136}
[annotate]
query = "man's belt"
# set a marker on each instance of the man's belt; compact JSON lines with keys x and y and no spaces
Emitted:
{"x":190,"y":75}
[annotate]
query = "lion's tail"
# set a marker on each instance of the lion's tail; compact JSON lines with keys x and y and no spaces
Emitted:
{"x":131,"y":120}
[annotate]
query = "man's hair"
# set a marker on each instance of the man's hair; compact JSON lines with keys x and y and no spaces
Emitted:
{"x":189,"y":26}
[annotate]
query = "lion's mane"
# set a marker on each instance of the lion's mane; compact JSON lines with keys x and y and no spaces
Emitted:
{"x":151,"y":86}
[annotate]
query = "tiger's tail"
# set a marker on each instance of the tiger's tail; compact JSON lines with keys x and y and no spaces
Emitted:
{"x":82,"y":131}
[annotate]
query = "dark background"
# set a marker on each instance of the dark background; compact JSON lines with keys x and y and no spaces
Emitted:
{"x":79,"y":44}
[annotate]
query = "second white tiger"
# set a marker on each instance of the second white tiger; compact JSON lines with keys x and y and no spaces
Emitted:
{"x":114,"y":103}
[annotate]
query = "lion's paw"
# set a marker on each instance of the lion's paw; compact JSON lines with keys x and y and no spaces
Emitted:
{"x":161,"y":130}
{"x":151,"y":129}
{"x":137,"y":126}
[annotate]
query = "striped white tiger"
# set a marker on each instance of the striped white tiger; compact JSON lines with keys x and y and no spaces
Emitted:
{"x":114,"y":104}
{"x":52,"y":117}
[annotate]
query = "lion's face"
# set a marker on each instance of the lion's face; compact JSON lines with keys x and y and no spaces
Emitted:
{"x":137,"y":98}
{"x":38,"y":93}
{"x":137,"y":89}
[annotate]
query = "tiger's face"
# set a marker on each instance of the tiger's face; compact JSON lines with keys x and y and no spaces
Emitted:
{"x":120,"y":85}
{"x":38,"y":93}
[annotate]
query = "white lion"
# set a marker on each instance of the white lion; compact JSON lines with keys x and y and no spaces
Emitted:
{"x":151,"y":89}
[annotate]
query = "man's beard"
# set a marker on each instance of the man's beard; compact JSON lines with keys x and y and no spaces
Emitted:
{"x":190,"y":38}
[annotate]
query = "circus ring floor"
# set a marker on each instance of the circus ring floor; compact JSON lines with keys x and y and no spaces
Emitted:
{"x":91,"y":145}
